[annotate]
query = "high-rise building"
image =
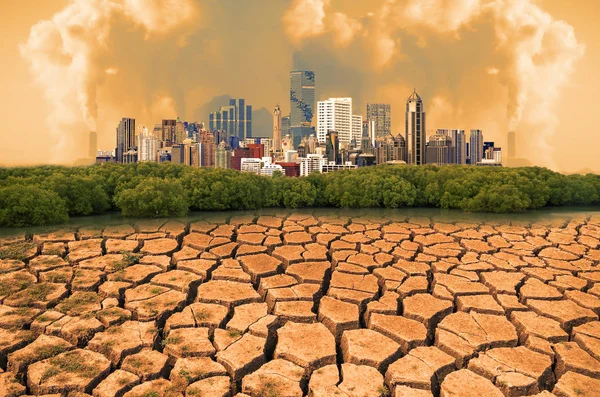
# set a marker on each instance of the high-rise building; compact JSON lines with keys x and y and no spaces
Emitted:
{"x":207,"y":148}
{"x":335,"y":114}
{"x":180,"y":134}
{"x":178,"y":154}
{"x":302,"y":98}
{"x":439,"y":149}
{"x":169,"y":132}
{"x":460,"y":146}
{"x":148,"y":146}
{"x":93,"y":145}
{"x":381,"y":116}
{"x":277,"y":128}
{"x":125,"y":138}
{"x":285,"y":126}
{"x":415,"y":130}
{"x":357,"y":122}
{"x":332,"y":147}
{"x":389,"y":148}
{"x":311,"y":163}
{"x":223,"y":155}
{"x":235,"y":119}
{"x":476,"y":146}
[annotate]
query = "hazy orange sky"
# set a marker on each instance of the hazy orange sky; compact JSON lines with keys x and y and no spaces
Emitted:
{"x":489,"y":64}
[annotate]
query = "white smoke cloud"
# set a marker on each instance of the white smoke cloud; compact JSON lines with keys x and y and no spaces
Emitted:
{"x":67,"y":57}
{"x":533,"y":54}
{"x":305,"y":19}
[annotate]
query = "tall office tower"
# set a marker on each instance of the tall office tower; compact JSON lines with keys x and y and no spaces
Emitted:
{"x":169,"y":132}
{"x":180,"y":134}
{"x":335,"y":114}
{"x":93,"y":145}
{"x":332,"y":146}
{"x":148,"y":146}
{"x":415,"y":130}
{"x":285,"y":126}
{"x":207,"y":141}
{"x":277,"y":128}
{"x":439,"y":149}
{"x":235,"y":119}
{"x":476,"y":146}
{"x":459,"y":141}
{"x":312,"y":144}
{"x":223,"y":155}
{"x":381,"y":115}
{"x":302,"y":98}
{"x":157,"y":132}
{"x":389,"y":148}
{"x":512,"y":148}
{"x":356,"y":128}
{"x":125,"y":138}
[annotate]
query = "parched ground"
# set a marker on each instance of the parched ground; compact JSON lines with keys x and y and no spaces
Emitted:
{"x":325,"y":306}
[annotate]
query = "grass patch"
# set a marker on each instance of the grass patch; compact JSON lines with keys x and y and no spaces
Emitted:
{"x":68,"y":362}
{"x":16,"y":283}
{"x":129,"y":259}
{"x":18,"y":251}
{"x":77,"y":303}
{"x":383,"y":391}
{"x":233,"y":333}
{"x":171,"y":340}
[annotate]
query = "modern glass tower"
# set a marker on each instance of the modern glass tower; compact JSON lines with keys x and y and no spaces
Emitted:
{"x":125,"y":138}
{"x":381,"y":115}
{"x":235,"y":119}
{"x":302,"y":98}
{"x":415,"y":130}
{"x":476,"y":146}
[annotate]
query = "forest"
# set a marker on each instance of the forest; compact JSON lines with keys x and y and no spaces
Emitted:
{"x":44,"y":195}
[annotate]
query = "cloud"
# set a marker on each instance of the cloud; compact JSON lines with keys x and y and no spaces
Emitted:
{"x":305,"y":19}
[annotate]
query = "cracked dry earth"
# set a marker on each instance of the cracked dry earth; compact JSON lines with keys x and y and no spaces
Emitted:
{"x":303,"y":305}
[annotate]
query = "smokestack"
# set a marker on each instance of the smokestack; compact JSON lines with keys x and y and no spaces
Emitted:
{"x":512,"y":148}
{"x":93,"y":148}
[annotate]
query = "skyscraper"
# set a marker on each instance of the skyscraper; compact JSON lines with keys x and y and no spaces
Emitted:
{"x":415,"y":130}
{"x":332,"y":147}
{"x":277,"y":128}
{"x":476,"y":146}
{"x":440,"y":149}
{"x":381,"y":115}
{"x":356,"y":128}
{"x":169,"y":133}
{"x":223,"y":155}
{"x":148,"y":146}
{"x":125,"y":138}
{"x":335,"y":114}
{"x":235,"y":119}
{"x":302,"y":98}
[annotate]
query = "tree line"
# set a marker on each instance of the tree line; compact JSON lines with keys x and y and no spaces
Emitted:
{"x":51,"y":194}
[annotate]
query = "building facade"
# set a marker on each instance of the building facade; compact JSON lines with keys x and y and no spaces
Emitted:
{"x":277,"y":129}
{"x":302,"y":98}
{"x":415,"y":130}
{"x":223,"y":156}
{"x":235,"y":119}
{"x":476,"y":146}
{"x":311,"y":163}
{"x":125,"y":138}
{"x":380,"y":114}
{"x":335,"y":114}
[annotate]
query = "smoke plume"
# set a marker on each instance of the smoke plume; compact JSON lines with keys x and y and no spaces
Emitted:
{"x":456,"y":43}
{"x":69,"y":56}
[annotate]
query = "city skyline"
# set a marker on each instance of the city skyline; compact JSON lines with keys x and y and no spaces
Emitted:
{"x":469,"y":94}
